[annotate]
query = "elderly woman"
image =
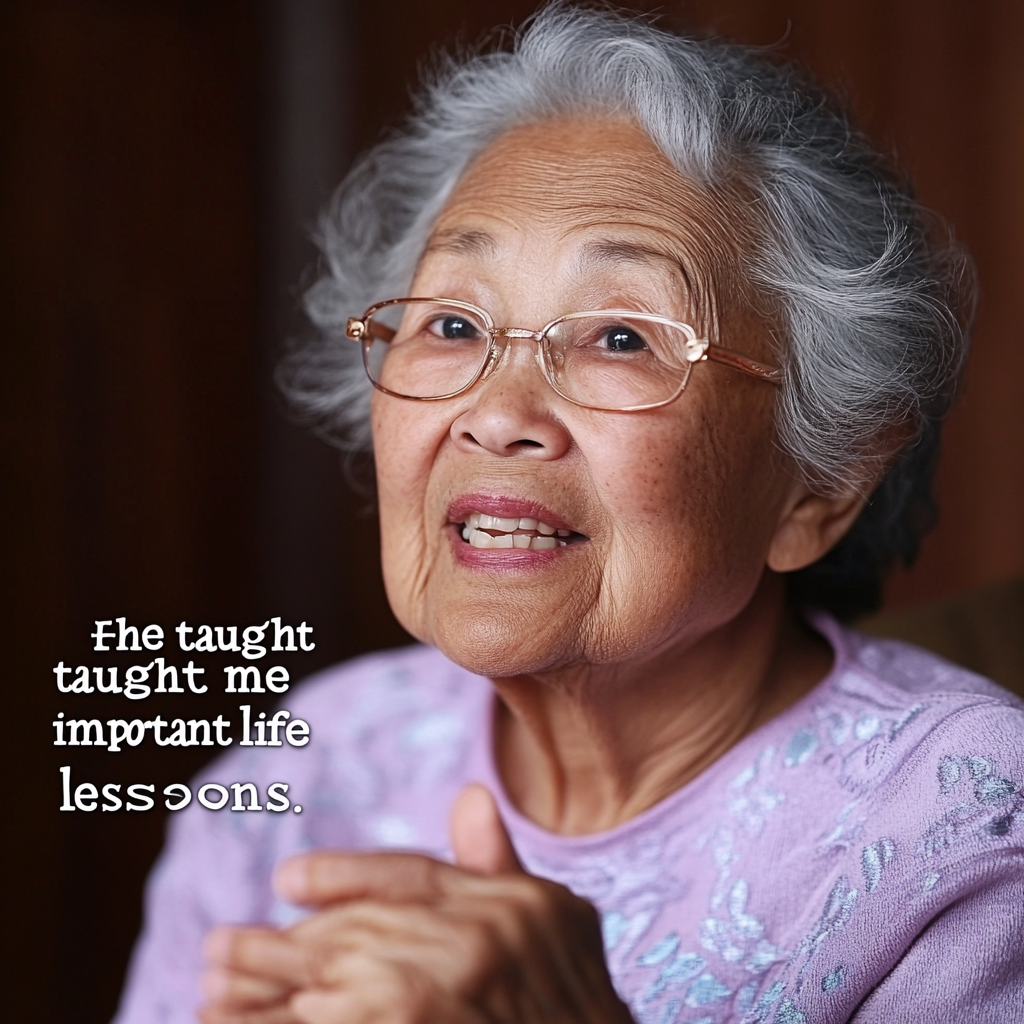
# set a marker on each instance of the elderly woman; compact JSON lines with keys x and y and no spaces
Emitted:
{"x":662,"y":323}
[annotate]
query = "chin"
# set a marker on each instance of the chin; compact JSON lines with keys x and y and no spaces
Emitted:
{"x":492,"y":645}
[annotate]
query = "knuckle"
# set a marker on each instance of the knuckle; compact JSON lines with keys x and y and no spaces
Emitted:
{"x":323,"y":966}
{"x":543,"y":911}
{"x":494,"y":941}
{"x":477,"y":950}
{"x":237,"y":948}
{"x":424,"y":872}
{"x":480,"y":939}
{"x":431,"y":876}
{"x":413,"y":995}
{"x":520,"y":930}
{"x":399,"y":993}
{"x":541,"y":898}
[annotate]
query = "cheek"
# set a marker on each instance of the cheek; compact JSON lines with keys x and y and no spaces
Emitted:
{"x":405,"y":443}
{"x":693,"y":501}
{"x":662,"y":500}
{"x":740,"y":484}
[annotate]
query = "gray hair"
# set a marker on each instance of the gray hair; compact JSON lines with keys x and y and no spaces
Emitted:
{"x":870,"y":297}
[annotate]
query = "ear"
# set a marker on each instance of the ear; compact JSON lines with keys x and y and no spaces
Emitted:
{"x":811,"y":526}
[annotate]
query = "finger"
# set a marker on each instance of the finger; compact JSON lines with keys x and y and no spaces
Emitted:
{"x":218,"y":1014}
{"x":457,"y":946}
{"x":450,"y":945}
{"x":262,"y":952}
{"x":230,"y":988}
{"x":480,"y":841}
{"x":344,"y":924}
{"x":373,"y":992}
{"x":364,"y":989}
{"x":327,"y":1006}
{"x":327,"y":876}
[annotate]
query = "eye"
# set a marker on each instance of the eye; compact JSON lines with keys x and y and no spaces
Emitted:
{"x":454,"y":327}
{"x":623,"y":339}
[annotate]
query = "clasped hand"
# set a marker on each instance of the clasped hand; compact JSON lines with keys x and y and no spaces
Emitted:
{"x":404,"y":939}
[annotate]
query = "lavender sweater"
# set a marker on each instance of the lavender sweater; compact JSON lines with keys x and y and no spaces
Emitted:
{"x":858,"y":858}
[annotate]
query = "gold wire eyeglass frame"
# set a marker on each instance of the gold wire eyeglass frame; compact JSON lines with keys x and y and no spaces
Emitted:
{"x":365,"y":331}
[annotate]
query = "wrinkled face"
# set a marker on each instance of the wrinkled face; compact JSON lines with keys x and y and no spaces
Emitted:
{"x":662,"y":518}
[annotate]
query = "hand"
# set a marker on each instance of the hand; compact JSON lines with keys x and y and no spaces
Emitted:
{"x":402,"y":938}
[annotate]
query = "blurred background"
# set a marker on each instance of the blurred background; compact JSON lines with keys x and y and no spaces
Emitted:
{"x":162,"y":162}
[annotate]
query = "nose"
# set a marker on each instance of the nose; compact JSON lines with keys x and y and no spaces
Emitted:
{"x":512,"y":411}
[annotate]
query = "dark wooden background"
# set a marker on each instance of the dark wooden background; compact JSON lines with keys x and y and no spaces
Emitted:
{"x":161,"y":159}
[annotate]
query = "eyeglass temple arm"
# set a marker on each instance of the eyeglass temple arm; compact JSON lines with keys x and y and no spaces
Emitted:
{"x":725,"y":356}
{"x":377,"y":330}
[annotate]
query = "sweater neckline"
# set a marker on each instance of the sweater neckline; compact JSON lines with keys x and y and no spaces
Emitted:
{"x":737,"y":758}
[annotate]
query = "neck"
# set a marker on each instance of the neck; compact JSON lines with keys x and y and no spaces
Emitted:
{"x":587,"y":748}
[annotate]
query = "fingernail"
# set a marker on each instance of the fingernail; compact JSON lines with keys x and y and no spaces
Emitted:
{"x":213,"y":984}
{"x":216,"y":944}
{"x":291,"y":879}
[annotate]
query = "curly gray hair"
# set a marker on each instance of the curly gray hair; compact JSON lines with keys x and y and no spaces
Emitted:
{"x":871,"y":298}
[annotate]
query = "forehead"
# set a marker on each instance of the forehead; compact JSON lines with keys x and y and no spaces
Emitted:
{"x":600,"y":185}
{"x":580,"y":173}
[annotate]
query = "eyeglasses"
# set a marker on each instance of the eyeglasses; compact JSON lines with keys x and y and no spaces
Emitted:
{"x":616,"y":360}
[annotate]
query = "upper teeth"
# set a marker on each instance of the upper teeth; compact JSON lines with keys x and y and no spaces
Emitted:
{"x":538,"y":535}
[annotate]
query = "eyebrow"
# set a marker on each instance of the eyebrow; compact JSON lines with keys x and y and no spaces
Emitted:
{"x":619,"y":251}
{"x":478,"y":244}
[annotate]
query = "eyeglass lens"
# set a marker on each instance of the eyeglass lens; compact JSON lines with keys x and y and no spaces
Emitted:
{"x":435,"y":349}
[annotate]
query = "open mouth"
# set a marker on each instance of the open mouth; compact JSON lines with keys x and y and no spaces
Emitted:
{"x":480,"y":530}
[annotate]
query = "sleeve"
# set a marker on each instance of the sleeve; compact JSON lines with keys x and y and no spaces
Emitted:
{"x":207,"y":874}
{"x":216,"y":866}
{"x":966,"y":966}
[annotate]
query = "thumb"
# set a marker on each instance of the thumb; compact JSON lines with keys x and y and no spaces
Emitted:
{"x":478,"y":835}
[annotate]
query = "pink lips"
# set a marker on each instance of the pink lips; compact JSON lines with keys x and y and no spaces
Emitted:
{"x":504,"y":507}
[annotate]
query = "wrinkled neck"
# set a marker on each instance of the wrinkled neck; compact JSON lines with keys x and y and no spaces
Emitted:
{"x":587,"y":748}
